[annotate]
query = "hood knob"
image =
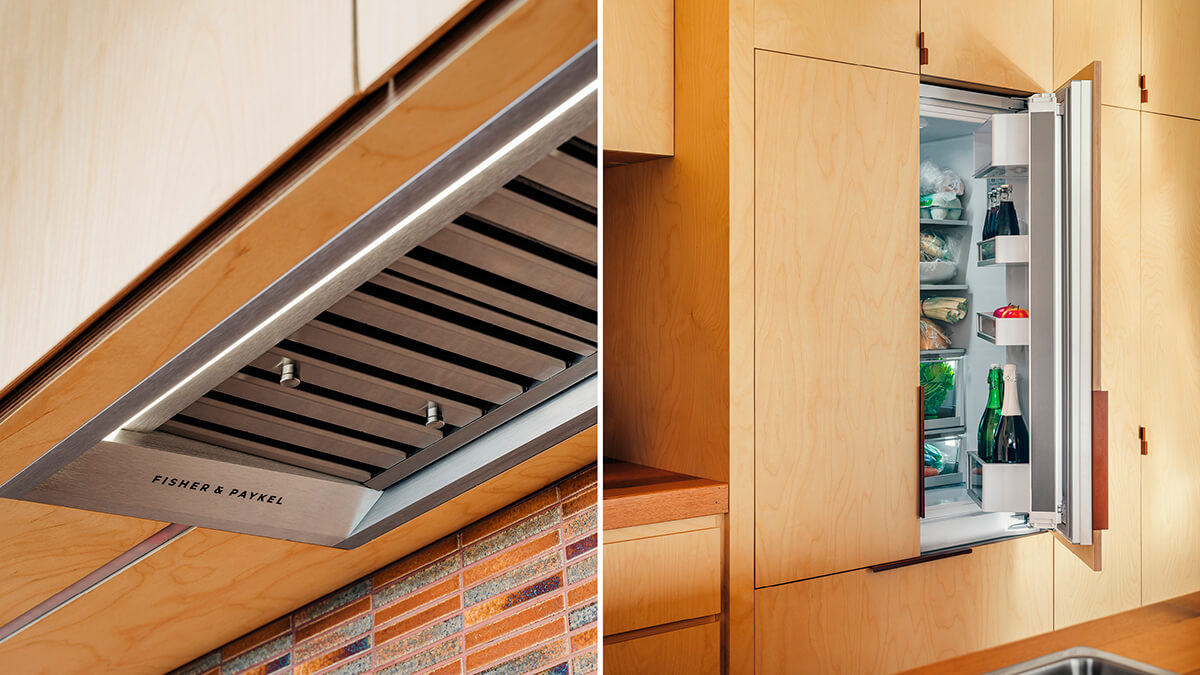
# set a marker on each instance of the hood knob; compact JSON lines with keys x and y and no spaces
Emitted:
{"x":289,"y":373}
{"x":433,"y":415}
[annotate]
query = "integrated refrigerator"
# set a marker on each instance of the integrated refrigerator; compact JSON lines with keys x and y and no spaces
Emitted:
{"x":1042,"y":149}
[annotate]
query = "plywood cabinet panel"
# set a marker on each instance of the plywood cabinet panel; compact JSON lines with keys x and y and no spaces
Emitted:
{"x":880,"y":33}
{"x":1108,"y":31}
{"x":660,"y":579}
{"x":695,"y":651}
{"x":1170,"y":356}
{"x":835,"y":346}
{"x":391,"y":32}
{"x":868,"y":622}
{"x":1170,"y":59}
{"x":1081,"y":594}
{"x":639,"y":79}
{"x":126,"y":125}
{"x":44,"y":549}
{"x":1003,"y":45}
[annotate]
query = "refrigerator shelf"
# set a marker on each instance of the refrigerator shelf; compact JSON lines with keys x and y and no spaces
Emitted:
{"x":941,"y":288}
{"x":1007,"y":250}
{"x":941,"y":354}
{"x":998,"y":487}
{"x":945,"y":221}
{"x":1005,"y":332}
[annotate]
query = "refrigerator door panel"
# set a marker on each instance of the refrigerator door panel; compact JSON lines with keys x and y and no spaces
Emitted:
{"x":1079,"y":130}
{"x":1042,"y":369}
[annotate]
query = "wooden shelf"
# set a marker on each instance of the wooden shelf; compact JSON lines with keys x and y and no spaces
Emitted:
{"x":640,"y":495}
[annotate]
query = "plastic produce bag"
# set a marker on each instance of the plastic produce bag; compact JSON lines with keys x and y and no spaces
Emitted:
{"x":930,"y":175}
{"x":935,"y":247}
{"x":933,"y":337}
{"x":948,"y":181}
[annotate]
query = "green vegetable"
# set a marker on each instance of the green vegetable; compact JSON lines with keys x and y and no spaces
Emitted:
{"x":933,"y":457}
{"x":938,"y":379}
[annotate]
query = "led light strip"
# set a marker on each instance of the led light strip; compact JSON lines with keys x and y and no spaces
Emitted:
{"x":144,"y":549}
{"x":387,"y":236}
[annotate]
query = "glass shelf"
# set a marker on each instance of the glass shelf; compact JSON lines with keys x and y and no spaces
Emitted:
{"x":937,"y":221}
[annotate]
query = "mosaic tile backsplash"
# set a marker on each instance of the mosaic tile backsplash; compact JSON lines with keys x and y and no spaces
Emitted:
{"x":512,"y":593}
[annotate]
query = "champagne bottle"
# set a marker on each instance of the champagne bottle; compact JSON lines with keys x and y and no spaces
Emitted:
{"x":1012,"y":437}
{"x":991,"y":415}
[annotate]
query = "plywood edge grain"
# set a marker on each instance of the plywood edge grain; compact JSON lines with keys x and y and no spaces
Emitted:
{"x":640,"y":495}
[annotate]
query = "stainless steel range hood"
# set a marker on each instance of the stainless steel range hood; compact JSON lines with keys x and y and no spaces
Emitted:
{"x":442,"y":338}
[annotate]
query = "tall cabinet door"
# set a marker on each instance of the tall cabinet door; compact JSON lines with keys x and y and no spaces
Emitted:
{"x":1170,"y":356}
{"x":836,"y":296}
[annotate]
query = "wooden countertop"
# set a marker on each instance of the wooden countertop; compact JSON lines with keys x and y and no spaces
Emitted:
{"x":640,"y":495}
{"x":1165,"y":634}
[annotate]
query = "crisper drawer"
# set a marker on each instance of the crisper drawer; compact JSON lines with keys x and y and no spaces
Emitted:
{"x":695,"y":650}
{"x":652,"y":579}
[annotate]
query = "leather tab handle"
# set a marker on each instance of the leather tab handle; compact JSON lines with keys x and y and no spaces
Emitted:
{"x":921,"y":452}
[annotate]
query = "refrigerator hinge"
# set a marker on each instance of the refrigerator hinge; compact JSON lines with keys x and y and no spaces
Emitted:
{"x":1142,"y":440}
{"x":1142,"y":86}
{"x":924,"y":53}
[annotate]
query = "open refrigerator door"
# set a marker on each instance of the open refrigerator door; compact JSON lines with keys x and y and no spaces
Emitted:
{"x":1020,"y":296}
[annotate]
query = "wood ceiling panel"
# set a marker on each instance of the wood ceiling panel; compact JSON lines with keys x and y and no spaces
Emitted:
{"x":209,"y":587}
{"x":44,"y":549}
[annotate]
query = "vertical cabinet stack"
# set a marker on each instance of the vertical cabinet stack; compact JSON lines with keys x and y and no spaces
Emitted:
{"x":800,"y":193}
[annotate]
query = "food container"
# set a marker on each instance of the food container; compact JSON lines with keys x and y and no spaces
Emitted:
{"x":938,"y":271}
{"x":945,"y":400}
{"x":949,"y":448}
{"x":1011,"y":332}
{"x":951,"y":210}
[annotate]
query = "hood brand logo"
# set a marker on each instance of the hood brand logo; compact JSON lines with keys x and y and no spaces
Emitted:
{"x":230,"y":492}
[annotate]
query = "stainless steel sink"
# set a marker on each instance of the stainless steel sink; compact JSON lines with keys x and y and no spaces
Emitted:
{"x":1082,"y":661}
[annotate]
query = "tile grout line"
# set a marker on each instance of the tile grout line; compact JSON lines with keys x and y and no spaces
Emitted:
{"x":137,"y":553}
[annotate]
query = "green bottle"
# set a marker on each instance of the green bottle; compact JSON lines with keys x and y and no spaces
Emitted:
{"x":991,"y":415}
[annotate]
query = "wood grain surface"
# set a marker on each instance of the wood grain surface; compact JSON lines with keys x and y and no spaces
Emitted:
{"x":835,"y":338}
{"x":656,"y":580}
{"x":1081,"y":594}
{"x":994,"y":44}
{"x":639,"y":78}
{"x":867,"y":622}
{"x":695,"y":650}
{"x":1108,"y":31}
{"x":1170,"y":356}
{"x":1169,"y":56}
{"x":47,"y":548}
{"x":1165,"y":634}
{"x":209,"y":587}
{"x":389,"y":33}
{"x":666,"y":277}
{"x":126,"y":125}
{"x":638,"y":495}
{"x":881,"y":33}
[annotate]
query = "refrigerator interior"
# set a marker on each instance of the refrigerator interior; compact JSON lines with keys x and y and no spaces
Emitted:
{"x":952,"y":517}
